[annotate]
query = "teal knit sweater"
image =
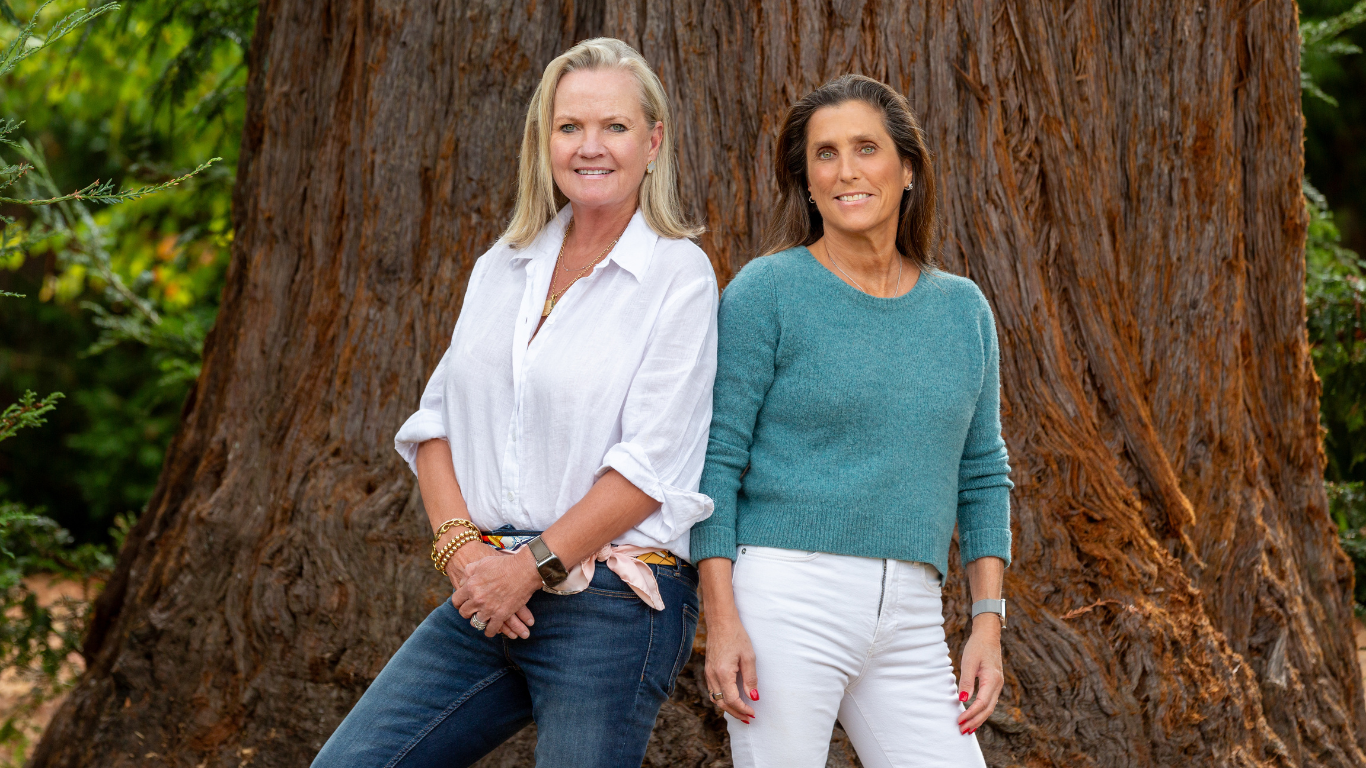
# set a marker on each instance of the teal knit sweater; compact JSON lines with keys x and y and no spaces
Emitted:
{"x":855,"y":425}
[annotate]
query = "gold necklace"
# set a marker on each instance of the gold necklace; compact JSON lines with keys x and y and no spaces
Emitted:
{"x":895,"y":291}
{"x":554,"y":297}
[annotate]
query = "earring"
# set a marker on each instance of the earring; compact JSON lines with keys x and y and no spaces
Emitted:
{"x":908,"y":186}
{"x":651,"y":167}
{"x":810,"y":199}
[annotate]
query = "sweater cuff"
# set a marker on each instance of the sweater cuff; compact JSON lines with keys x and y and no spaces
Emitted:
{"x":711,"y":541}
{"x":984,"y":542}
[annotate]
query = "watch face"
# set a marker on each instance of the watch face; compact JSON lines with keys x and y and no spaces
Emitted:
{"x":548,"y":564}
{"x":552,"y":571}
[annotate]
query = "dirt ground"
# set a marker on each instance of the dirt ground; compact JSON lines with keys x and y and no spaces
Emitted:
{"x":17,"y":685}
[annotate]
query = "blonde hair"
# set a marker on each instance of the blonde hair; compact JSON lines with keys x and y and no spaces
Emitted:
{"x":659,"y":200}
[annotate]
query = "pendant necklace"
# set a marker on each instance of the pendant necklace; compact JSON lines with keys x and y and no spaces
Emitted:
{"x":555,"y":296}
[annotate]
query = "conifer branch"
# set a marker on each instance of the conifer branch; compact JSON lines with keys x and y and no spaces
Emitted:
{"x":103,"y":192}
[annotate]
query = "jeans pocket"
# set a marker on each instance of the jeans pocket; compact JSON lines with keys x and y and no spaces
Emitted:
{"x":681,"y":572}
{"x":684,"y":645}
{"x":608,"y":584}
{"x":933,"y":581}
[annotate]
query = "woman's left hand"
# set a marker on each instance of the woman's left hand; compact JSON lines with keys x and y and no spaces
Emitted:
{"x":497,"y":587}
{"x":982,"y":675}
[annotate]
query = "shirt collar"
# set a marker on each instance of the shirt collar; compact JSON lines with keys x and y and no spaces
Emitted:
{"x":633,"y":252}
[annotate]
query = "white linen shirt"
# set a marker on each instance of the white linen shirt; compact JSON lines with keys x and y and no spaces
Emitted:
{"x":619,"y":377}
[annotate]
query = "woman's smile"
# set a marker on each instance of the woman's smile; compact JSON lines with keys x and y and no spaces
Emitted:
{"x":599,"y":119}
{"x":853,"y":197}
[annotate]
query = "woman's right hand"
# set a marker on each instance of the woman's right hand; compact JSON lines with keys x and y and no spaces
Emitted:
{"x":730,"y":657}
{"x":517,"y":625}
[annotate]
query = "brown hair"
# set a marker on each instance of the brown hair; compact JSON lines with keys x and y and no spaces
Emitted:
{"x":795,"y":220}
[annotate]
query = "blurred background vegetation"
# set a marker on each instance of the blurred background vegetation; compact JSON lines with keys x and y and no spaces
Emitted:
{"x":1333,"y":73}
{"x":117,"y":299}
{"x":110,"y":293}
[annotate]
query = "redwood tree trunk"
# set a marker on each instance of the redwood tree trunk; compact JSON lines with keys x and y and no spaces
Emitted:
{"x":1121,"y":179}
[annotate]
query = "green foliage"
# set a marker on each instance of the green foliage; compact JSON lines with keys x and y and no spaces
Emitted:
{"x":36,"y":638}
{"x":128,"y":292}
{"x":1334,"y":287}
{"x":1347,"y":504}
{"x":26,"y":413}
{"x":39,"y":638}
{"x":1335,"y":276}
{"x":1335,"y":295}
{"x":143,"y":276}
{"x":1335,"y":128}
{"x":1320,"y":40}
{"x":25,"y":44}
{"x":20,"y":48}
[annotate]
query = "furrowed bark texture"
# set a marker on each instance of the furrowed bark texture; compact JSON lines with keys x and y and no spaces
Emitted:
{"x":1121,"y":179}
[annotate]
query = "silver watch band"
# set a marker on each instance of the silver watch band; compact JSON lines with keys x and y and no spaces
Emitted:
{"x":990,"y":606}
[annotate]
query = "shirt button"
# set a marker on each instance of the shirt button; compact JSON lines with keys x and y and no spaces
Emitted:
{"x":511,"y":496}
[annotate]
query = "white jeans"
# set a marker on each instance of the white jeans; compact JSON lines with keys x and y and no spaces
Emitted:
{"x":852,"y":638}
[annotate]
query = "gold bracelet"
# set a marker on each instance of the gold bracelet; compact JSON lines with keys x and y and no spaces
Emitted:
{"x":462,"y":538}
{"x":449,"y":524}
{"x":454,"y":546}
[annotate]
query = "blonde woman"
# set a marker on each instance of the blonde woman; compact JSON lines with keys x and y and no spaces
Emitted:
{"x":558,"y":448}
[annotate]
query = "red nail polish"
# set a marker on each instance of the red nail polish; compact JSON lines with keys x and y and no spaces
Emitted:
{"x":962,"y":695}
{"x":754,"y":694}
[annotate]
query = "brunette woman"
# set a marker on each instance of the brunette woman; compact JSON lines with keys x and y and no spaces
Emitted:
{"x":856,"y":421}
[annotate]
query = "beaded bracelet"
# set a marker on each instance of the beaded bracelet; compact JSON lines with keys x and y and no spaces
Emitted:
{"x":441,"y":566}
{"x":449,"y":524}
{"x":450,"y":549}
{"x":452,"y":545}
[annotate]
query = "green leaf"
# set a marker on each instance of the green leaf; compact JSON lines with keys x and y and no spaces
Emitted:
{"x":28,"y":412}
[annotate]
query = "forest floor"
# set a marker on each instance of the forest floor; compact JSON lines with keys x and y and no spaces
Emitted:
{"x":23,"y":692}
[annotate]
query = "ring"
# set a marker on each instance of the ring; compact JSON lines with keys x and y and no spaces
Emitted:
{"x":716,"y":695}
{"x":476,"y":623}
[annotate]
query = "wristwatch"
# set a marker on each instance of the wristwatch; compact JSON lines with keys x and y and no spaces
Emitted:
{"x":991,"y":606}
{"x":547,"y":563}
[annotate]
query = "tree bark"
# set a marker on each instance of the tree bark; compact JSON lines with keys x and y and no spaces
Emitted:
{"x":1121,"y":179}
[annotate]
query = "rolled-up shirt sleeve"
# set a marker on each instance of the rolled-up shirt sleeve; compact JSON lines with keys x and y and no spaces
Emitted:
{"x":667,"y":412}
{"x":429,"y":422}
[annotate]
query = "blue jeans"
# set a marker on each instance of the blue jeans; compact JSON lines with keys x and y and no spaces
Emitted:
{"x":593,"y":675}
